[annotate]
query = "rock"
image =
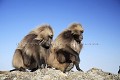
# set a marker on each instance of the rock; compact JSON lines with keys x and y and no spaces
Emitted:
{"x":52,"y":74}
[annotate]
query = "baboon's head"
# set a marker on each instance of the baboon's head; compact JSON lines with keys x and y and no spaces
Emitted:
{"x":44,"y":35}
{"x":76,"y":31}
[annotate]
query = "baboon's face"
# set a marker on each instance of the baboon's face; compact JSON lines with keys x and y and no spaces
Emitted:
{"x":77,"y":35}
{"x":47,"y":39}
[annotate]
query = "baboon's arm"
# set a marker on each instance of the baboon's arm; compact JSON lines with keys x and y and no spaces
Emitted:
{"x":71,"y":51}
{"x":26,"y":59}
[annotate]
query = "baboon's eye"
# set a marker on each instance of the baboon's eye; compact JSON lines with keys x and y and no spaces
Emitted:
{"x":51,"y":36}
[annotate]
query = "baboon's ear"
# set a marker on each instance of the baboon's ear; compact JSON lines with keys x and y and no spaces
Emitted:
{"x":67,"y":34}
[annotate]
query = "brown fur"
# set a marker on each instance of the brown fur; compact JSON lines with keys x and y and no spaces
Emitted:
{"x":32,"y":50}
{"x":66,"y":48}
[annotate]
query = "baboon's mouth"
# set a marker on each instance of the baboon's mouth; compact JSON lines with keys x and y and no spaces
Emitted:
{"x":47,"y":47}
{"x":78,"y":41}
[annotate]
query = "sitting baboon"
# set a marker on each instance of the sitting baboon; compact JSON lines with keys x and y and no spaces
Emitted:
{"x":66,"y":48}
{"x":32,"y":51}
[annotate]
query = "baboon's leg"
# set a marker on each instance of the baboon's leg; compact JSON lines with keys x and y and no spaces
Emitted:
{"x":26,"y":59}
{"x":37,"y":59}
{"x":18,"y":61}
{"x":60,"y":56}
{"x":69,"y":50}
{"x":42,"y":62}
{"x":77,"y":65}
{"x":66,"y":66}
{"x":69,"y":67}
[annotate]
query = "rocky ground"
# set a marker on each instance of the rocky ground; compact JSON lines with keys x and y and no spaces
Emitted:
{"x":52,"y":74}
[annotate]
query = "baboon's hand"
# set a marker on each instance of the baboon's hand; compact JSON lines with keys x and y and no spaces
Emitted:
{"x":69,"y":67}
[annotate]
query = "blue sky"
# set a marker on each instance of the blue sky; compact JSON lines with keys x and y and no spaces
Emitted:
{"x":99,"y":18}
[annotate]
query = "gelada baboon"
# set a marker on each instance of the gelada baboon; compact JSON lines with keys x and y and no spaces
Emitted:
{"x":32,"y":50}
{"x":66,"y":48}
